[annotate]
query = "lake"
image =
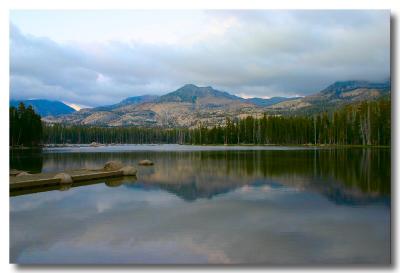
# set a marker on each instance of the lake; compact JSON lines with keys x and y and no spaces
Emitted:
{"x":207,"y":205}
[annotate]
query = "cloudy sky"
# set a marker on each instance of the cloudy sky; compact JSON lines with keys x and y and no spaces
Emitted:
{"x":93,"y":58}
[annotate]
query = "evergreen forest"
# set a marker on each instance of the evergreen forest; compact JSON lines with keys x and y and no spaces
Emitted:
{"x":365,"y":123}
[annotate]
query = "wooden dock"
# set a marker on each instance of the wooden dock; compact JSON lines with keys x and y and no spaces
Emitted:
{"x":47,"y":179}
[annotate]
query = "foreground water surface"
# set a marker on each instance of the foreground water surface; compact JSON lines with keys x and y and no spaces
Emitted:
{"x":263,"y":205}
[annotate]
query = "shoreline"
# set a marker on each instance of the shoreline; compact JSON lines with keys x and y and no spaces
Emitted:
{"x":87,"y":145}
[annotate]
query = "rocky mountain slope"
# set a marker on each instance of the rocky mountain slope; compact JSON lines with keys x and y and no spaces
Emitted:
{"x":128,"y":101}
{"x":190,"y":106}
{"x":335,"y":95}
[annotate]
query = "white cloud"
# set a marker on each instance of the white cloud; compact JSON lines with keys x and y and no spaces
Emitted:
{"x":253,"y":53}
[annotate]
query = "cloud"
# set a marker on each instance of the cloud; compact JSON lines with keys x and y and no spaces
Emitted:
{"x":254,"y":53}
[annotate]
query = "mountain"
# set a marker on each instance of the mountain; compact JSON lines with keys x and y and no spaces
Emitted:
{"x":191,"y":106}
{"x":268,"y":102}
{"x":188,"y":106}
{"x":338,"y":88}
{"x":335,"y":95}
{"x":46,"y":107}
{"x":191,"y":93}
{"x":137,"y":100}
{"x":128,"y":101}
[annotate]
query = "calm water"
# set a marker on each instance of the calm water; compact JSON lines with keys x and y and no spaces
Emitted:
{"x":270,"y":205}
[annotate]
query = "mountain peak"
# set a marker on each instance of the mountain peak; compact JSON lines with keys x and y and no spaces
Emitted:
{"x":343,"y":86}
{"x":189,"y":85}
{"x":190,"y":93}
{"x":201,"y":90}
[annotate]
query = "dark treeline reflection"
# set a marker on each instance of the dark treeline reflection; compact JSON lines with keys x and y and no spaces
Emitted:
{"x":346,"y":175}
{"x":28,"y":159}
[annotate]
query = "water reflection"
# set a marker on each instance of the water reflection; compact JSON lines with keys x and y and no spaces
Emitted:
{"x":270,"y":207}
{"x":26,"y":159}
{"x":347,"y":176}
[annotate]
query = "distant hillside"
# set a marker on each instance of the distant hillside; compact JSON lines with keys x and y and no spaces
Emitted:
{"x":338,"y":88}
{"x":191,"y":106}
{"x":333,"y":96}
{"x":128,"y":101}
{"x":268,"y":102}
{"x":46,"y":107}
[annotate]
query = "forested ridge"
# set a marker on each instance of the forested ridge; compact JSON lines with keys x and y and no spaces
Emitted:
{"x":366,"y":123}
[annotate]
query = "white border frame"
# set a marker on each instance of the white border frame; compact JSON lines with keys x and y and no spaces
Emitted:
{"x":7,"y":5}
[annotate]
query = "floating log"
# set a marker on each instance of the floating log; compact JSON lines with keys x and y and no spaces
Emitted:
{"x":66,"y":177}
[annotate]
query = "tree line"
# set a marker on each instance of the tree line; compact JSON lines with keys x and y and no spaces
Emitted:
{"x":25,"y":126}
{"x":366,"y":123}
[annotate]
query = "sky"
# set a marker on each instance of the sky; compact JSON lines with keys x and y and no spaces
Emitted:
{"x":92,"y":58}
